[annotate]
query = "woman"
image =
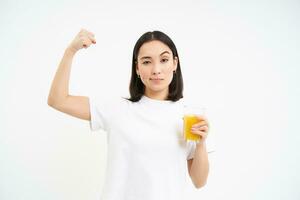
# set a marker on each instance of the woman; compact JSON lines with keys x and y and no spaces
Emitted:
{"x":147,"y":155}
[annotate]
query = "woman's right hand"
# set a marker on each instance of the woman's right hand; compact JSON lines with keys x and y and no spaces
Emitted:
{"x":82,"y":40}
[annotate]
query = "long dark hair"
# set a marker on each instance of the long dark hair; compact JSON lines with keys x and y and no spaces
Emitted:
{"x":136,"y":87}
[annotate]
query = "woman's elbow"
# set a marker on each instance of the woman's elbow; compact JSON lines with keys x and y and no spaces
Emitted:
{"x":200,"y":184}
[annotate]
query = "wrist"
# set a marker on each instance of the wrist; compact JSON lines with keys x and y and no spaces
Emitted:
{"x":70,"y":51}
{"x":201,"y":144}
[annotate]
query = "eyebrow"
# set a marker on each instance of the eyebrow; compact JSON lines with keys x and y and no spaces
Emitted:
{"x":144,"y":57}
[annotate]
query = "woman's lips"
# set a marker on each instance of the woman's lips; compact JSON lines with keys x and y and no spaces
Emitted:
{"x":156,"y":80}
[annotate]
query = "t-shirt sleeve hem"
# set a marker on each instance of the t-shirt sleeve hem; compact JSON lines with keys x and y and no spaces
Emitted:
{"x":192,"y":148}
{"x":96,"y":121}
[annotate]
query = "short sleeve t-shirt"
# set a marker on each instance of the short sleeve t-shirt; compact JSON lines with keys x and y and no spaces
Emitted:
{"x":147,"y":154}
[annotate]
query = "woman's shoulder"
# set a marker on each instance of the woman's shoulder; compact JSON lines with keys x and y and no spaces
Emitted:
{"x":192,"y":101}
{"x":108,"y":101}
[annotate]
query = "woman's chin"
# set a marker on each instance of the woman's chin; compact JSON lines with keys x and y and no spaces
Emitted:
{"x":158,"y":88}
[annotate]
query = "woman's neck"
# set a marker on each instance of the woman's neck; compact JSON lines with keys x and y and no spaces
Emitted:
{"x":157,"y":95}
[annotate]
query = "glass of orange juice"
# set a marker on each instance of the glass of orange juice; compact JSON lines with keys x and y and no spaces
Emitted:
{"x":189,"y":119}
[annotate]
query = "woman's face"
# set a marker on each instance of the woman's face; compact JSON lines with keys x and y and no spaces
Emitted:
{"x":155,"y":65}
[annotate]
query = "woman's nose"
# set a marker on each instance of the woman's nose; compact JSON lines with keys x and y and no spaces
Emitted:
{"x":156,"y":69}
{"x":155,"y":72}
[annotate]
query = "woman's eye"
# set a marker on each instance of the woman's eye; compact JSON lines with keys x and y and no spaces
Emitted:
{"x":165,"y":60}
{"x":146,"y":62}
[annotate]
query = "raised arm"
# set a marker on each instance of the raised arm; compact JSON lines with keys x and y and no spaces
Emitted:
{"x":59,"y":97}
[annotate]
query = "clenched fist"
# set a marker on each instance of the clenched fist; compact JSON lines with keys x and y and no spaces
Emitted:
{"x":82,"y":40}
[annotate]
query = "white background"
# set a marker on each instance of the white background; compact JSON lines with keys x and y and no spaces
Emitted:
{"x":239,"y":58}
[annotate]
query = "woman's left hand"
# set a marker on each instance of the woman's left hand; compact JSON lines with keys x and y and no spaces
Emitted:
{"x":201,"y":128}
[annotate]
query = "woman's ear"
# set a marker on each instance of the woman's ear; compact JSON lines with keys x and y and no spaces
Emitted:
{"x":136,"y":67}
{"x":175,"y":60}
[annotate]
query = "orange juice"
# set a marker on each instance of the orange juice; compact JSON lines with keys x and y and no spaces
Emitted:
{"x":188,"y":121}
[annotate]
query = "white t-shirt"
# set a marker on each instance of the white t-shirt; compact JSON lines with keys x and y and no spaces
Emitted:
{"x":147,"y":155}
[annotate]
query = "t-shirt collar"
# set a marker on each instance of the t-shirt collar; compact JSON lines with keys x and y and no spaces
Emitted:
{"x":154,"y":101}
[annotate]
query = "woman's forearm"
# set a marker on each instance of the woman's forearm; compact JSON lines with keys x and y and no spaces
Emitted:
{"x":60,"y":84}
{"x":200,"y":166}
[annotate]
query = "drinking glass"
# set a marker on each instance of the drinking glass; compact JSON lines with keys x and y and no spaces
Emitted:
{"x":189,"y":119}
